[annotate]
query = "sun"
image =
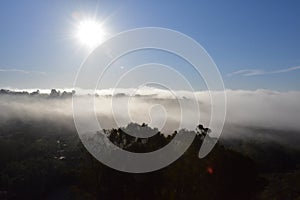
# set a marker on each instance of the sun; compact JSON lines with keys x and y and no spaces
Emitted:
{"x":90,"y":33}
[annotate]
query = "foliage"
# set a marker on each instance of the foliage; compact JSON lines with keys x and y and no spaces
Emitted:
{"x":44,"y":161}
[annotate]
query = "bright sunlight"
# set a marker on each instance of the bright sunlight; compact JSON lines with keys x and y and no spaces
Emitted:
{"x":90,"y":33}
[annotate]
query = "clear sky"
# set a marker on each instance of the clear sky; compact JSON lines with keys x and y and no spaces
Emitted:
{"x":255,"y":44}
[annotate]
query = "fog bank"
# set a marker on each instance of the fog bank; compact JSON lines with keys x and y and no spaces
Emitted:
{"x":260,"y":109}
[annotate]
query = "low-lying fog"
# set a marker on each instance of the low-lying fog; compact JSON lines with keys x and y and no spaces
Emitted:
{"x":246,"y":110}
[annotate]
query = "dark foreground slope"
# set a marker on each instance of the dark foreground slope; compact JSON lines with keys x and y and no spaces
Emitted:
{"x":42,"y":160}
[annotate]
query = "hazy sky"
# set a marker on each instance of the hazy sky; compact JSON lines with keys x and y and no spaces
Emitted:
{"x":255,"y":44}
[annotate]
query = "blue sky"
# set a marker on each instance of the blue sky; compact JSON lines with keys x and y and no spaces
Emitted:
{"x":255,"y":44}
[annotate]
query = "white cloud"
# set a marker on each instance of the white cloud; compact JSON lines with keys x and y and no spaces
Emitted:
{"x":254,"y":72}
{"x":22,"y":71}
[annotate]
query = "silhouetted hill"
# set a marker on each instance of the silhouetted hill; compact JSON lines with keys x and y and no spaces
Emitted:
{"x":44,"y":161}
{"x":53,"y":94}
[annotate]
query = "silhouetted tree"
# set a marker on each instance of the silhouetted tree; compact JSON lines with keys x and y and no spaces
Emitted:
{"x":54,"y":93}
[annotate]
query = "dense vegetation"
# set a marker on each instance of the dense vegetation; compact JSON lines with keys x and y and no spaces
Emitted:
{"x":40,"y":160}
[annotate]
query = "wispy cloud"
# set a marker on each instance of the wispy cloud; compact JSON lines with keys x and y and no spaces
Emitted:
{"x":255,"y":72}
{"x":22,"y":71}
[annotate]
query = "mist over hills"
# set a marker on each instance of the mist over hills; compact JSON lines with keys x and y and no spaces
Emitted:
{"x":258,"y":148}
{"x":261,"y":109}
{"x":255,"y":117}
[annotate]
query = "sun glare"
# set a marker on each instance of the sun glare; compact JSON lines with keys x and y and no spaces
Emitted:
{"x":90,"y":33}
